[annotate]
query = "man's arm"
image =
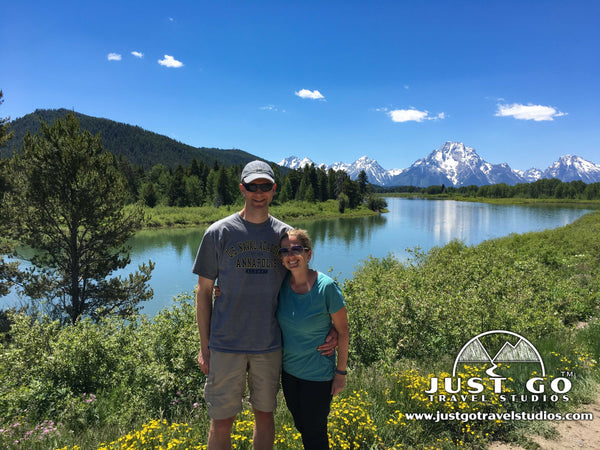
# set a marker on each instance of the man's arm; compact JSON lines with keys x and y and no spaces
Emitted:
{"x":204,"y":293}
{"x":331,"y":342}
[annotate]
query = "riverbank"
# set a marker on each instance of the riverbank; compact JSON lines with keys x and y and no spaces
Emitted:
{"x":203,"y":216}
{"x":578,"y":203}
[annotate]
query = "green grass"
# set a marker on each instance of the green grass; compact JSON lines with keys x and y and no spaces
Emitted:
{"x":172,"y":216}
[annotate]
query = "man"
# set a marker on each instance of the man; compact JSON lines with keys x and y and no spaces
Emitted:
{"x":239,"y":334}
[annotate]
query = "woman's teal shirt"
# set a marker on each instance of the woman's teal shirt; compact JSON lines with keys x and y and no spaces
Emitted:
{"x":305,"y":321}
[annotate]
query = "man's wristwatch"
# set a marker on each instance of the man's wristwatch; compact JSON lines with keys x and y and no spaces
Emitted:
{"x":341,"y":372}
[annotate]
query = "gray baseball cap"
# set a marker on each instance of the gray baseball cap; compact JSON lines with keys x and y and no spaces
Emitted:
{"x":257,"y":169}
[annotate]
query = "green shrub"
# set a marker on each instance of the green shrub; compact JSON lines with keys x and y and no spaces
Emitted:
{"x":430,"y":306}
{"x":375,"y":203}
{"x":105,"y":372}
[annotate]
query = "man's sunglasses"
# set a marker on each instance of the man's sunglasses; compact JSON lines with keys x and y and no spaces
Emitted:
{"x":294,"y":250}
{"x":253,"y":187}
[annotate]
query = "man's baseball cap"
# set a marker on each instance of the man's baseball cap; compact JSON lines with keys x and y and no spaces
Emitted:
{"x":257,"y":169}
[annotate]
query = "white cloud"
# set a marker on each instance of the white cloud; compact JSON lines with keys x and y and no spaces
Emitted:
{"x":114,"y":57}
{"x":272,"y":108}
{"x":138,"y":54}
{"x":305,"y":93}
{"x":169,"y":61}
{"x":528,"y":112}
{"x":412,"y":115}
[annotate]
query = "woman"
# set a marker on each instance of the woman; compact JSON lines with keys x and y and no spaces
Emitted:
{"x":309,"y":303}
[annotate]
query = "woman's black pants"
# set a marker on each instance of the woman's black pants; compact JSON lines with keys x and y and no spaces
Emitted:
{"x":309,"y":403}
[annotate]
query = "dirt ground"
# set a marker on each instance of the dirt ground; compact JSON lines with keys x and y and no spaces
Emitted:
{"x":572,"y":435}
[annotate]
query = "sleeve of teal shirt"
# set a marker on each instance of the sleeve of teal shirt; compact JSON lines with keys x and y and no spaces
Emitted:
{"x":334,"y":299}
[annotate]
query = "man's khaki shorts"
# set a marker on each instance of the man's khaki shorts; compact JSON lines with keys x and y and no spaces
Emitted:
{"x":226,"y":382}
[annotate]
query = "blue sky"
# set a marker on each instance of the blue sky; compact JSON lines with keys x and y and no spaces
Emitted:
{"x":519,"y":81}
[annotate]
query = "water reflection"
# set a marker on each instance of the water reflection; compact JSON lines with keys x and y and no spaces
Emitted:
{"x":183,"y":242}
{"x":440,"y":221}
{"x":350,"y":231}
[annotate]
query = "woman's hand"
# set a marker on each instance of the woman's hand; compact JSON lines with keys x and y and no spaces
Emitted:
{"x":339,"y":383}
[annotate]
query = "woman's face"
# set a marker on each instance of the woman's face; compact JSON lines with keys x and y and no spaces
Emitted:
{"x":296,"y":258}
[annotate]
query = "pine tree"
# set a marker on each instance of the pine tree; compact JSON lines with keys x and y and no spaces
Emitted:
{"x":331,"y":184}
{"x":286,"y":193}
{"x":322,"y":191}
{"x":351,"y":190}
{"x":9,"y":271}
{"x":223,"y":193}
{"x":148,"y":194}
{"x":302,"y":189}
{"x":67,"y":203}
{"x":309,"y":194}
{"x":5,"y":133}
{"x":363,"y":183}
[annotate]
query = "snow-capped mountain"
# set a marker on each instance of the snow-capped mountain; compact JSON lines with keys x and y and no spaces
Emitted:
{"x":454,"y":164}
{"x":293,"y":162}
{"x":375,"y":173}
{"x":572,"y":168}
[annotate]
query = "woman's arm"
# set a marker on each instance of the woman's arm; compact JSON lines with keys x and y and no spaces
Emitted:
{"x":340,"y":323}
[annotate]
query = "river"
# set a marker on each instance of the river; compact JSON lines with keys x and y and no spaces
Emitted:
{"x":341,"y":244}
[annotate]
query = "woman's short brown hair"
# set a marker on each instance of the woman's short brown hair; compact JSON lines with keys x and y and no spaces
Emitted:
{"x":301,"y":235}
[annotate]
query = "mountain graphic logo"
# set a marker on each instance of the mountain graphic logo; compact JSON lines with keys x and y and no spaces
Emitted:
{"x":475,"y":351}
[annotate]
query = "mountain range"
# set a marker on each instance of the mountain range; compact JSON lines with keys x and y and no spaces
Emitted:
{"x":454,"y":164}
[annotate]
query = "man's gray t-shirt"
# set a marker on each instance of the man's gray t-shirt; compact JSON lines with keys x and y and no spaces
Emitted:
{"x":243,"y":257}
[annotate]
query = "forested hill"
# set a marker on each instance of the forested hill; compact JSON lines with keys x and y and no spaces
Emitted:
{"x":140,"y":147}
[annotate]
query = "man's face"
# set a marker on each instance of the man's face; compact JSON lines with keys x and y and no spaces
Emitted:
{"x":255,"y":196}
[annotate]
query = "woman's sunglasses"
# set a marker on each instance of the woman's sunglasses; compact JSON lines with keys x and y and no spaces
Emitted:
{"x":295,"y":250}
{"x":253,"y":187}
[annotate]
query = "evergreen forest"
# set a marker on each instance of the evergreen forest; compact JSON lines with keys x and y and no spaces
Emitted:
{"x":160,"y":171}
{"x":545,"y":189}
